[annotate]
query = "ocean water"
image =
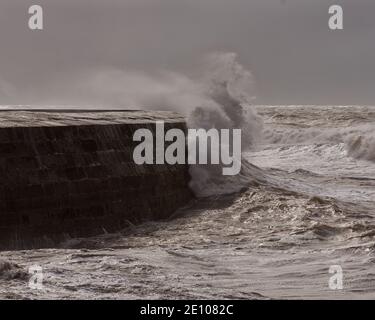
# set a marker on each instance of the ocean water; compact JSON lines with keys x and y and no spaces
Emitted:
{"x":304,"y":201}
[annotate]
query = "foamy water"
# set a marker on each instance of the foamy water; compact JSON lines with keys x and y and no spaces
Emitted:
{"x":307,"y":204}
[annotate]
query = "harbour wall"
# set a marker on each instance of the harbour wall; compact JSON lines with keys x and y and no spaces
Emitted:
{"x":66,"y":174}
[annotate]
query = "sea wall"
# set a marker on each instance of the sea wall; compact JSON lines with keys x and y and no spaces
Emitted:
{"x":67,"y":174}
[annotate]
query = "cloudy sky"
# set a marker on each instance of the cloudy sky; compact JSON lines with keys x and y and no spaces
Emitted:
{"x":294,"y":57}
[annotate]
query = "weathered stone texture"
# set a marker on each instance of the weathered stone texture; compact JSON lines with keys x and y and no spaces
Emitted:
{"x":72,"y":174}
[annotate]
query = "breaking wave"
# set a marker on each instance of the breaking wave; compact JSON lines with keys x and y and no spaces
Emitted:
{"x":295,"y":136}
{"x":219,"y":96}
{"x":10,"y":271}
{"x":359,"y":141}
{"x":228,"y":89}
{"x":361,"y":147}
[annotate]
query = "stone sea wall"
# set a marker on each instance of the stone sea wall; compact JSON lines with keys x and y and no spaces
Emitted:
{"x":71,"y":174}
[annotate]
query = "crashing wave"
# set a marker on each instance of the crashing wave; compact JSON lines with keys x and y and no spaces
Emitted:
{"x":361,"y":147}
{"x":10,"y":271}
{"x":228,"y":106}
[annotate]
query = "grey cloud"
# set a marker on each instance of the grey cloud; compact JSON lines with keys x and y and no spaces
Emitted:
{"x":294,"y":57}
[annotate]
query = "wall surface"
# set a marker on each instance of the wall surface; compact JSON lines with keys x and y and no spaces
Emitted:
{"x":70,"y":174}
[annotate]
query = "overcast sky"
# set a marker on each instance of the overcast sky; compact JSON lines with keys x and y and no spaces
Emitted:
{"x":287,"y":45}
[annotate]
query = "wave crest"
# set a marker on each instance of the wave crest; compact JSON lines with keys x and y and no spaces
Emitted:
{"x":361,"y":147}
